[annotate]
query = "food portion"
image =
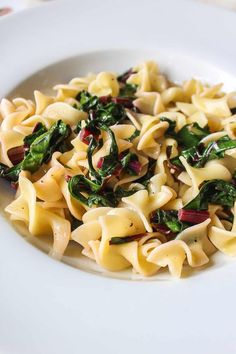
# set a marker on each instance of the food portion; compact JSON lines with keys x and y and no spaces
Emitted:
{"x":137,"y":170}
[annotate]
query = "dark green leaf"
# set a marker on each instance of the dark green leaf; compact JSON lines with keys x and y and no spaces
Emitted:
{"x":93,"y":193}
{"x":87,"y":101}
{"x":171,"y":129}
{"x":199,"y":155}
{"x":43,"y":147}
{"x":168,"y":218}
{"x":40,"y":151}
{"x":134,"y":135}
{"x":121,"y":240}
{"x":215,"y":191}
{"x":191,"y":134}
{"x":128,"y":90}
{"x":110,"y":162}
{"x":38,"y":130}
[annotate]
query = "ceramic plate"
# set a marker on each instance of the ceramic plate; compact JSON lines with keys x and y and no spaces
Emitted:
{"x":49,"y":307}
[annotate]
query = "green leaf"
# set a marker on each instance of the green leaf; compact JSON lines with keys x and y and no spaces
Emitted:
{"x":125,"y":162}
{"x":40,"y":151}
{"x":87,"y":101}
{"x":38,"y":130}
{"x":128,"y":90}
{"x":134,"y":135}
{"x":121,"y":240}
{"x":191,"y":134}
{"x":199,"y":155}
{"x":109,"y":114}
{"x":168,"y":218}
{"x":93,"y":193}
{"x":10,"y":173}
{"x":171,"y":129}
{"x":103,"y":114}
{"x":111,"y":161}
{"x":43,"y":147}
{"x":215,"y":191}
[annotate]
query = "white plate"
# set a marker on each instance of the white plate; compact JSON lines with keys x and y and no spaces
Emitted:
{"x":47,"y":307}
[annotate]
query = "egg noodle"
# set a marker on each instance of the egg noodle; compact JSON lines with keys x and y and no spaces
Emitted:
{"x":137,"y":170}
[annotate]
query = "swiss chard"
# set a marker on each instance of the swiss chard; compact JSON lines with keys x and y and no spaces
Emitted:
{"x":40,"y":151}
{"x":124,"y":77}
{"x":135,"y":134}
{"x":128,"y":90}
{"x":102,"y":111}
{"x":215,"y":191}
{"x":130,"y":163}
{"x":93,"y":193}
{"x":188,"y":136}
{"x":39,"y":129}
{"x":198,"y":156}
{"x":168,"y":218}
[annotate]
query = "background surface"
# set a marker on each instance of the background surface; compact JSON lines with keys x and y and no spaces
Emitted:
{"x":7,"y":6}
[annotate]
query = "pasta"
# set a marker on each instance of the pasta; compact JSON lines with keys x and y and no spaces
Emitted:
{"x":137,"y":170}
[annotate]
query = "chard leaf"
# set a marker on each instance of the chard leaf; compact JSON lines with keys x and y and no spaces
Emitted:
{"x":101,"y":112}
{"x":199,"y":155}
{"x":40,"y":151}
{"x":110,"y":162}
{"x":188,"y":136}
{"x":109,"y":114}
{"x":38,"y":130}
{"x":43,"y":146}
{"x":87,"y":101}
{"x":93,"y":193}
{"x":215,"y":191}
{"x":168,"y":218}
{"x":10,"y":173}
{"x":171,"y":129}
{"x":128,"y":90}
{"x":134,"y":135}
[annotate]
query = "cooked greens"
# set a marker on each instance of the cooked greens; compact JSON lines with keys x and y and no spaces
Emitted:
{"x":40,"y":150}
{"x":199,"y":155}
{"x":215,"y":191}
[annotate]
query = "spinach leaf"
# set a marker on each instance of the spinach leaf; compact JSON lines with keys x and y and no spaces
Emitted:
{"x":121,"y":240}
{"x":109,"y":114}
{"x":130,"y":163}
{"x":215,"y":191}
{"x":188,"y":136}
{"x":78,"y":185}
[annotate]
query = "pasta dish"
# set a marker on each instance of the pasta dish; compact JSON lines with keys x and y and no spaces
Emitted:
{"x":138,"y":170}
